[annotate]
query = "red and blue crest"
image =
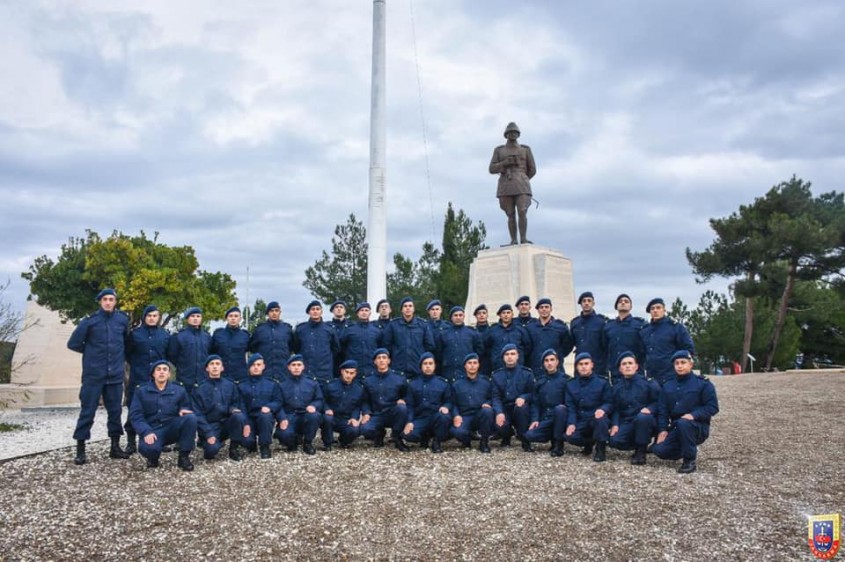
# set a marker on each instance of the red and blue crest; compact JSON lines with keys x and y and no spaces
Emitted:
{"x":824,"y":531}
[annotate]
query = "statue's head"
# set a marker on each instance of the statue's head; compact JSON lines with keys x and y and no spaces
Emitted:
{"x":512,"y":127}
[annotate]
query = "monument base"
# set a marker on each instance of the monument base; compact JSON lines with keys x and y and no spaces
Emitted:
{"x":502,"y":275}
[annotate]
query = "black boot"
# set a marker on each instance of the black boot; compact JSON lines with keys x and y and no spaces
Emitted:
{"x":378,"y":442}
{"x":308,"y":449}
{"x":587,"y":450}
{"x":484,"y":446}
{"x":557,"y":449}
{"x":265,"y":452}
{"x":401,"y":445}
{"x":80,"y":452}
{"x":506,"y":442}
{"x":184,"y":461}
{"x":526,"y":446}
{"x":131,"y":446}
{"x":152,"y":462}
{"x":638,"y":458}
{"x":600,"y":454}
{"x":234,"y":453}
{"x":435,"y":446}
{"x":116,"y":452}
{"x":687,"y":467}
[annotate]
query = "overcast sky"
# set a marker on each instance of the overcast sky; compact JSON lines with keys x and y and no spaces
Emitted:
{"x":242,"y":129}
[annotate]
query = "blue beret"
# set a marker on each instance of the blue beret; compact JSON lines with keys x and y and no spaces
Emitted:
{"x":469,"y":356}
{"x":105,"y":292}
{"x":509,"y":347}
{"x":584,"y":295}
{"x":523,"y":298}
{"x":362,"y":305}
{"x":149,"y":308}
{"x":426,"y":355}
{"x":211,"y":358}
{"x":478,"y":309}
{"x":157,"y":363}
{"x":335,"y":303}
{"x":192,"y":310}
{"x":381,"y":302}
{"x":544,"y":300}
{"x":582,"y":356}
{"x":296,"y":357}
{"x":311,"y":305}
{"x":548,"y":352}
{"x":253,"y":358}
{"x":455,"y":309}
{"x":349,"y":364}
{"x":434,"y":302}
{"x":405,"y":300}
{"x":380,"y":351}
{"x":231,"y":310}
{"x":623,"y":355}
{"x":620,"y":297}
{"x":681,"y":354}
{"x":503,"y":308}
{"x":271,"y":305}
{"x":653,"y":302}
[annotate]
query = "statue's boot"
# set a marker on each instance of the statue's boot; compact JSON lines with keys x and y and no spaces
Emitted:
{"x":523,"y":228}
{"x":512,"y":229}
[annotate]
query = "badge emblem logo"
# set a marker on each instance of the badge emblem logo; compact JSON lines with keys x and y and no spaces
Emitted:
{"x":823,"y":535}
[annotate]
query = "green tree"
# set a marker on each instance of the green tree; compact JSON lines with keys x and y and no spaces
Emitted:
{"x":343,"y":274}
{"x":254,"y":315}
{"x":462,"y":240}
{"x":142,"y":271}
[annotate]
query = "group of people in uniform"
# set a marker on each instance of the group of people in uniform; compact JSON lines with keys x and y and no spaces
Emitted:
{"x":428,"y":381}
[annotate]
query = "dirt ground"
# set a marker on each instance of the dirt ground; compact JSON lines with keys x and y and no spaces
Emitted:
{"x":775,"y":456}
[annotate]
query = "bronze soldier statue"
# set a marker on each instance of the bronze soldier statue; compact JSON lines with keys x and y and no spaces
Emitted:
{"x":514,"y":163}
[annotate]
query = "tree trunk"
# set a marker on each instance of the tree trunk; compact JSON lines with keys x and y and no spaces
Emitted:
{"x":749,"y":331}
{"x":781,"y":319}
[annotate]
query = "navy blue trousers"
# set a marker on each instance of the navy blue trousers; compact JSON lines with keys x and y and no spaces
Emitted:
{"x":634,"y":433}
{"x":482,"y":422}
{"x":232,"y":427}
{"x":517,"y":417}
{"x":589,"y":431}
{"x":348,"y":433}
{"x":683,"y":440}
{"x":552,"y":427}
{"x":89,"y":400}
{"x":436,"y":426}
{"x":302,"y":425}
{"x":261,"y":426}
{"x":181,"y":430}
{"x":396,"y":417}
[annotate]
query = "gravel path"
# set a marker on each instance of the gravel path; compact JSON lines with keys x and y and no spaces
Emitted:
{"x":45,"y":429}
{"x":775,"y":456}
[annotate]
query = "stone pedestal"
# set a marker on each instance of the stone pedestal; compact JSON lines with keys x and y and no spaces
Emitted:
{"x":48,"y":373}
{"x":502,"y":275}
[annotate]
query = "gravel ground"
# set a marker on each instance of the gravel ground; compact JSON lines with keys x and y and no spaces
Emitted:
{"x":775,"y":456}
{"x":45,"y":429}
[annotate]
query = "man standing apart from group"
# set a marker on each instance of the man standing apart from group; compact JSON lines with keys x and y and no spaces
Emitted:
{"x":100,"y":338}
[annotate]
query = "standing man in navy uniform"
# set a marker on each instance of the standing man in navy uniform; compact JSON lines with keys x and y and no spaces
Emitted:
{"x":547,"y":332}
{"x":342,"y":401}
{"x":455,"y":342}
{"x":588,"y":333}
{"x":661,"y":338}
{"x":472,"y":405}
{"x":513,"y":388}
{"x":360,"y":340}
{"x":273,"y":339}
{"x":318,"y":344}
{"x":301,"y":411}
{"x":384,"y":311}
{"x":523,"y":308}
{"x":188,"y":350}
{"x":588,"y":409}
{"x":100,"y":338}
{"x":407,"y":338}
{"x":505,"y":331}
{"x":686,"y":407}
{"x":146,"y":344}
{"x":623,"y":334}
{"x":231,"y":343}
{"x":635,"y":402}
{"x":429,"y":400}
{"x":217,"y":406}
{"x":548,"y":407}
{"x":384,"y":403}
{"x":161,"y":414}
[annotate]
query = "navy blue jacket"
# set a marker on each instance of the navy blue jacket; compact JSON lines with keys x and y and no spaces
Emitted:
{"x":318,"y":344}
{"x":426,"y":395}
{"x":231,"y":344}
{"x":585,"y":395}
{"x":188,"y":350}
{"x":298,"y":393}
{"x":496,"y":338}
{"x":358,"y":342}
{"x":523,"y":321}
{"x":382,"y":390}
{"x":588,"y":334}
{"x":469,"y":395}
{"x":554,"y":335}
{"x":510,"y":384}
{"x":214,"y":401}
{"x":273,"y":339}
{"x":661,"y":339}
{"x":406,"y":341}
{"x":623,"y":335}
{"x":259,"y":391}
{"x":632,"y":395}
{"x":344,"y":400}
{"x":152,"y":408}
{"x":690,"y":394}
{"x":100,"y":338}
{"x":144,"y":346}
{"x":549,"y":391}
{"x":453,"y":344}
{"x":484,"y":358}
